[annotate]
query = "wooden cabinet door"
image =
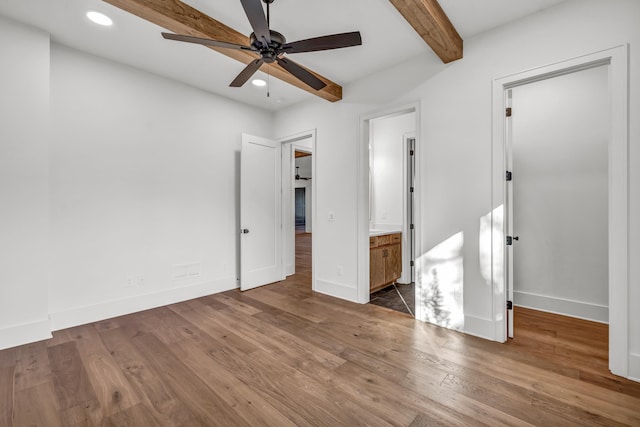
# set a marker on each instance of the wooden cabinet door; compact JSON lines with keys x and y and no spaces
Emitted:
{"x":376,"y":268}
{"x":393,"y":263}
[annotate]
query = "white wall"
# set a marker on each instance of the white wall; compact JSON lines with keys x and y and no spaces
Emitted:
{"x":24,"y":103}
{"x":335,"y":245}
{"x":144,"y":180}
{"x":387,"y":170}
{"x":560,"y":146}
{"x":113,"y":182}
{"x":455,"y":143}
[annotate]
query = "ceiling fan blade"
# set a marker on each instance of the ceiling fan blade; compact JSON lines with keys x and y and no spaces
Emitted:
{"x":300,"y":73}
{"x":206,"y":42}
{"x":255,"y":14}
{"x":334,"y":41}
{"x":247,"y":73}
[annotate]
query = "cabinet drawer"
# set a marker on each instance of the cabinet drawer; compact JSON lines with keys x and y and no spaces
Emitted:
{"x":384,"y":240}
{"x":373,"y":242}
{"x":396,"y":238}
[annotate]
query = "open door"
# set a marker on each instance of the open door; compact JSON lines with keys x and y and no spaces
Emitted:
{"x":260,"y":212}
{"x":508,"y":194}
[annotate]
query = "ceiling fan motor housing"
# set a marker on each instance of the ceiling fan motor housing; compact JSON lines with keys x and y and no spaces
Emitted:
{"x":269,"y":54}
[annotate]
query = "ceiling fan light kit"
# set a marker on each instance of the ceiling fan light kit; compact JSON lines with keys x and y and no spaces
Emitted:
{"x":272,"y":46}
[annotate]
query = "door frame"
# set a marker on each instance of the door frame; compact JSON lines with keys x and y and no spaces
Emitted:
{"x":616,"y":59}
{"x":290,"y":144}
{"x":408,"y":238}
{"x":362,"y":195}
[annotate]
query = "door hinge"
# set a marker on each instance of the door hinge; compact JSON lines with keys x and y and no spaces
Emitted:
{"x":508,"y":111}
{"x":411,"y":264}
{"x":411,"y":226}
{"x":410,"y":189}
{"x":509,"y":305}
{"x":411,"y":152}
{"x":509,"y":176}
{"x":509,"y":240}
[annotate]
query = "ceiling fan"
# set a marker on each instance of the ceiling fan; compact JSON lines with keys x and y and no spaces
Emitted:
{"x":272,"y":46}
{"x":298,"y":177}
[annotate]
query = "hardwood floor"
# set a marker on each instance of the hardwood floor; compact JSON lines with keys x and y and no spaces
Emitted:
{"x":281,"y":355}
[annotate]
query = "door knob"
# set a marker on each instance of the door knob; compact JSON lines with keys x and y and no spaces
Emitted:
{"x":516,"y":238}
{"x":244,"y":231}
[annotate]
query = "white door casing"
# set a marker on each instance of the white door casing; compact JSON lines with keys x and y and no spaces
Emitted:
{"x":304,"y":141}
{"x":617,"y":60}
{"x":260,"y":212}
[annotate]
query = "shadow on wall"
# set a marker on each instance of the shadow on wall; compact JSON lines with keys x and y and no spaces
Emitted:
{"x":439,"y":289}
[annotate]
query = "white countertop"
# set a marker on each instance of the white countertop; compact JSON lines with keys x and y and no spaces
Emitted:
{"x":373,"y":233}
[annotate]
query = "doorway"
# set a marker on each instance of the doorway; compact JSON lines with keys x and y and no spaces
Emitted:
{"x":389,"y":141}
{"x":298,"y":207}
{"x":557,"y":149}
{"x":616,"y":62}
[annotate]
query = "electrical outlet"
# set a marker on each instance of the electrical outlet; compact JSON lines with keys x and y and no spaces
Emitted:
{"x":130,"y":282}
{"x":140,"y":281}
{"x":193,"y":269}
{"x":179,"y":271}
{"x":183,"y":271}
{"x":332,"y":216}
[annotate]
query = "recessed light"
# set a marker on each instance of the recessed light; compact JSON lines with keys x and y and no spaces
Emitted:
{"x":99,"y":18}
{"x":259,"y":82}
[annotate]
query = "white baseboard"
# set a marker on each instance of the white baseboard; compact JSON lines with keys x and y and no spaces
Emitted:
{"x":24,"y":334}
{"x":289,"y":270}
{"x":106,"y":310}
{"x":634,"y":367}
{"x":479,"y":327}
{"x":338,"y":290}
{"x":578,"y":309}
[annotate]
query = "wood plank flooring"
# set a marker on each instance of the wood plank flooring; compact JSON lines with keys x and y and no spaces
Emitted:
{"x":282,"y":355}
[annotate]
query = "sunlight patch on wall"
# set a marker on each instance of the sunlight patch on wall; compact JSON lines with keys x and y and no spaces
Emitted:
{"x":439,"y":288}
{"x":492,"y":256}
{"x":491,"y":246}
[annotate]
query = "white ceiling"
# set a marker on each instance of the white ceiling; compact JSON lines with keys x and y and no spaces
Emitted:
{"x":387,"y":38}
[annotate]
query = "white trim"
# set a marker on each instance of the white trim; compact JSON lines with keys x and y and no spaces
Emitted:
{"x":293,"y":140}
{"x":362,"y":198}
{"x":617,"y":58}
{"x":634,"y":367}
{"x":566,"y":307}
{"x":338,"y":290}
{"x":109,"y":309}
{"x":26,"y":333}
{"x":478,"y":326}
{"x":406,"y":242}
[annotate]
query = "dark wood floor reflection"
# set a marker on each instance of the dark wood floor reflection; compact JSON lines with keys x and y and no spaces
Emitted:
{"x":282,"y":355}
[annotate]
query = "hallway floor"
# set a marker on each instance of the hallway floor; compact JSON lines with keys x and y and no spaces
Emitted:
{"x":389,"y":298}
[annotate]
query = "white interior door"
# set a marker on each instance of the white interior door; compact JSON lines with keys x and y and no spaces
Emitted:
{"x":260,"y":212}
{"x":509,"y":211}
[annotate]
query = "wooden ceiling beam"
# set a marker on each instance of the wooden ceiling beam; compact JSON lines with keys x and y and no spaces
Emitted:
{"x":181,"y":18}
{"x":433,"y":25}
